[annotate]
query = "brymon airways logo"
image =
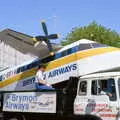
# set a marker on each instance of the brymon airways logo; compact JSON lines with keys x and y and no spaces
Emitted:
{"x":61,"y":71}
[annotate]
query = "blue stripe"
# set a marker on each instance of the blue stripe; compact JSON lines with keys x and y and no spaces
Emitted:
{"x":22,"y":69}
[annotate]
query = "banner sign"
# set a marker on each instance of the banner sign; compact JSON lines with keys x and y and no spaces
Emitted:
{"x":39,"y":102}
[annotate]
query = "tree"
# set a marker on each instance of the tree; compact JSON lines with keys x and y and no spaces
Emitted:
{"x":95,"y":32}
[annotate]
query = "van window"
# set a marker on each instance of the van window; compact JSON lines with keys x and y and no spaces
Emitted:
{"x":83,"y":88}
{"x":104,"y":87}
{"x":119,"y":86}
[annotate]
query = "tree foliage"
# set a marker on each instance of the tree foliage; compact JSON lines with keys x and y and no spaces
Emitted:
{"x":95,"y":32}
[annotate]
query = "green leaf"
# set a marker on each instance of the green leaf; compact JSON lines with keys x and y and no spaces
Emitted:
{"x":95,"y":32}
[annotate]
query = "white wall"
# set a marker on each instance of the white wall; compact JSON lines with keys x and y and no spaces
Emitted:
{"x":10,"y":57}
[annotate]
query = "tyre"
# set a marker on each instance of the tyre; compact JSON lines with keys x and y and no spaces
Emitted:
{"x":86,"y":117}
{"x":13,"y":117}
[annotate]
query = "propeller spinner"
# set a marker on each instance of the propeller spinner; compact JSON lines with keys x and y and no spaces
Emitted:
{"x":46,"y":38}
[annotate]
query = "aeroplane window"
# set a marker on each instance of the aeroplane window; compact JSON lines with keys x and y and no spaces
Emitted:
{"x":95,"y":45}
{"x":30,"y":66}
{"x":22,"y":69}
{"x":64,"y":53}
{"x":48,"y":59}
{"x":18,"y":70}
{"x":35,"y":63}
{"x":57,"y":55}
{"x":84,"y":46}
{"x":69,"y":51}
{"x":74,"y":49}
{"x":1,"y":78}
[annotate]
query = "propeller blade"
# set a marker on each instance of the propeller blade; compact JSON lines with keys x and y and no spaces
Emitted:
{"x":44,"y":27}
{"x":39,"y":38}
{"x":53,"y":36}
{"x":50,"y":47}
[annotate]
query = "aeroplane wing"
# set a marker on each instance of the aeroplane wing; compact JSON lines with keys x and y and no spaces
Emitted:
{"x":10,"y":37}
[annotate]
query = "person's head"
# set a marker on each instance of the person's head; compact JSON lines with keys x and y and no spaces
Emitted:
{"x":41,"y":67}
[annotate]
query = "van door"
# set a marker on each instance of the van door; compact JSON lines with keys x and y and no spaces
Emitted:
{"x":118,"y":92}
{"x":103,"y":100}
{"x":81,"y":98}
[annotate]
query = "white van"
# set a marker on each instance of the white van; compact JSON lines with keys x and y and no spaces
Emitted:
{"x":99,"y":94}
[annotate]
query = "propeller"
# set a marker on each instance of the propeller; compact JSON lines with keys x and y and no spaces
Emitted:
{"x":37,"y":39}
{"x":46,"y":38}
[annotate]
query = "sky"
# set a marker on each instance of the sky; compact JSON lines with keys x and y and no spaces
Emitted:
{"x":60,"y":15}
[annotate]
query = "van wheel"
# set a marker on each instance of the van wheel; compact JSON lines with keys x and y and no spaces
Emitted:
{"x":86,"y":117}
{"x":15,"y":117}
{"x":90,"y":117}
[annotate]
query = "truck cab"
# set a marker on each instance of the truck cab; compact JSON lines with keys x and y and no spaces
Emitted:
{"x":99,"y":95}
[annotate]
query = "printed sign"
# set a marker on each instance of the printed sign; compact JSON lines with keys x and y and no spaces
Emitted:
{"x":39,"y":102}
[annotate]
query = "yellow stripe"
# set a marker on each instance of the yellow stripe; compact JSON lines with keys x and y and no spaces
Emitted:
{"x":97,"y":51}
{"x":18,"y":77}
{"x":78,"y":55}
{"x":59,"y":62}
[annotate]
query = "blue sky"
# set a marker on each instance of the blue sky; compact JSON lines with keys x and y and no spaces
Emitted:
{"x":61,"y":15}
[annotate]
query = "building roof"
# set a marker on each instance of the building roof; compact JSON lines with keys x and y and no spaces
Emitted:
{"x":17,"y":35}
